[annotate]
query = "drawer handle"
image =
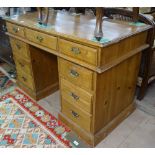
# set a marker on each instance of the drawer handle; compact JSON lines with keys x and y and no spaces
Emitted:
{"x":15,"y":29}
{"x":74,"y":73}
{"x":39,"y":38}
{"x":22,"y":65}
{"x":24,"y":79}
{"x":75,"y":97}
{"x":75,"y":50}
{"x":18,"y":46}
{"x":74,"y":114}
{"x":4,"y":28}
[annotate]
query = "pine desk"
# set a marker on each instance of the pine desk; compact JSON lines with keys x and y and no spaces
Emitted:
{"x":97,"y":81}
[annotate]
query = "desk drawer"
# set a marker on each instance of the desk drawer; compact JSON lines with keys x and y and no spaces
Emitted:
{"x":22,"y":64}
{"x":77,"y":115}
{"x":78,"y":51}
{"x":20,"y":48}
{"x":16,"y":30}
{"x":42,"y":39}
{"x":76,"y":74}
{"x":76,"y":95}
{"x":25,"y":79}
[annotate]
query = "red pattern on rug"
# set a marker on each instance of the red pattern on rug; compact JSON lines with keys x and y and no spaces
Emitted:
{"x":49,"y":122}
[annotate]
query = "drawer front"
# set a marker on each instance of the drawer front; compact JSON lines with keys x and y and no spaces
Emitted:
{"x":23,"y":65}
{"x":76,"y":96}
{"x":25,"y":79}
{"x":76,"y":115}
{"x":77,"y":51}
{"x":42,"y":39}
{"x":20,"y":48}
{"x":16,"y":30}
{"x":76,"y":74}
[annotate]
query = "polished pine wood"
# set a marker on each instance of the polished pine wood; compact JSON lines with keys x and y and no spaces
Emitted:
{"x":41,"y":38}
{"x":78,"y":96}
{"x":77,"y":115}
{"x":97,"y":80}
{"x":37,"y":79}
{"x":20,"y":48}
{"x":113,"y":90}
{"x":76,"y":74}
{"x":78,"y":51}
{"x":23,"y":64}
{"x":146,"y":74}
{"x":83,"y":31}
{"x":16,"y":29}
{"x":45,"y":72}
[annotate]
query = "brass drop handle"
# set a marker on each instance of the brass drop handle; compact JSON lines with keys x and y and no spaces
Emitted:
{"x":15,"y":29}
{"x":74,"y":73}
{"x":18,"y":46}
{"x":24,"y":79}
{"x":39,"y":38}
{"x":4,"y":28}
{"x":22,"y":65}
{"x":75,"y":97}
{"x":75,"y":50}
{"x":74,"y":114}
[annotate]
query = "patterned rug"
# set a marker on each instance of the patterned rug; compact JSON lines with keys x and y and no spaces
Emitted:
{"x":6,"y":84}
{"x":23,"y":123}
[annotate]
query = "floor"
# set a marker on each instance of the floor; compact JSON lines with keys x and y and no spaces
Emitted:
{"x":148,"y":103}
{"x":137,"y":131}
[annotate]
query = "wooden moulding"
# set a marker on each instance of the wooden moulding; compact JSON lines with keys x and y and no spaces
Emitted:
{"x":84,"y":64}
{"x":91,"y":139}
{"x":122,"y":58}
{"x":40,"y":94}
{"x":113,"y":124}
{"x":112,"y":83}
{"x":78,"y":38}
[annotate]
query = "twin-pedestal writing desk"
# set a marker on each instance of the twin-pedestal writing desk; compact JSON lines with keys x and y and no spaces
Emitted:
{"x":97,"y":80}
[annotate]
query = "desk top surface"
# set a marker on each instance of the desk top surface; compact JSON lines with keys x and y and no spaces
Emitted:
{"x":80,"y":28}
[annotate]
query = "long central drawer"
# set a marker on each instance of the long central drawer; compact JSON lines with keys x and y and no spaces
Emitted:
{"x":41,"y":38}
